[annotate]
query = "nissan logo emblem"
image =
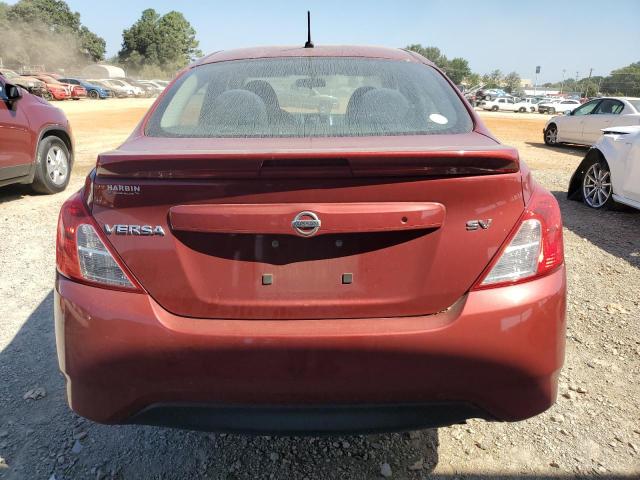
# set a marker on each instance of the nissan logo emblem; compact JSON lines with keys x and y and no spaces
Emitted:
{"x":306,"y":224}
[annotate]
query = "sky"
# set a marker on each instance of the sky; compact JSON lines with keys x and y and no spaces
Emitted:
{"x":558,"y":35}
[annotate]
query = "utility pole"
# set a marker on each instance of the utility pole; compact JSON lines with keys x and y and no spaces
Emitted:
{"x":562,"y":84}
{"x":535,"y":85}
{"x":586,"y":88}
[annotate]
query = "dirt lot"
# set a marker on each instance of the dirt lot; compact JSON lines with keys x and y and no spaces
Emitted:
{"x":593,"y":430}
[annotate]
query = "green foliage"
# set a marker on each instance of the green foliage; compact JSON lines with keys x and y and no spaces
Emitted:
{"x":431,"y":53}
{"x":473,"y":79}
{"x":56,"y":14}
{"x":93,"y":45}
{"x":46,"y":32}
{"x":493,"y":79}
{"x":166,"y":42}
{"x":624,"y":81}
{"x":511,"y":83}
{"x":457,"y":69}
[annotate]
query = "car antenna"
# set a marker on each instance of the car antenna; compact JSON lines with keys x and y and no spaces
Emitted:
{"x":309,"y":43}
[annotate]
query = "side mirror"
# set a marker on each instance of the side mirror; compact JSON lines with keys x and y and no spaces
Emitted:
{"x":569,"y":112}
{"x":11,"y":92}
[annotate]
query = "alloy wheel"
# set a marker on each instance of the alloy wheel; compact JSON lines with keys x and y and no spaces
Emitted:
{"x":596,"y":186}
{"x":57,"y":165}
{"x":551,"y":135}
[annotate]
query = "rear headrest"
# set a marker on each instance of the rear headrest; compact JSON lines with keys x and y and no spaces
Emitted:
{"x":265,"y":91}
{"x":382,"y":106}
{"x":355,"y":101}
{"x":238,"y":108}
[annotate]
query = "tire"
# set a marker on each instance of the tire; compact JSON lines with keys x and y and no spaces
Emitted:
{"x":522,"y":110}
{"x":494,"y":108}
{"x":552,"y":111}
{"x":47,"y":96}
{"x":597,"y":190}
{"x":550,"y":135}
{"x":53,"y":166}
{"x":93,"y":94}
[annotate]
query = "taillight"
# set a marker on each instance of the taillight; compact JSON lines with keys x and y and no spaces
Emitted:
{"x":83,"y":254}
{"x":534,"y":249}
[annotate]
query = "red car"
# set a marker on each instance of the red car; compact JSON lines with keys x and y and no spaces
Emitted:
{"x":56,"y":90}
{"x":36,"y":146}
{"x":77,"y":92}
{"x":381,"y":264}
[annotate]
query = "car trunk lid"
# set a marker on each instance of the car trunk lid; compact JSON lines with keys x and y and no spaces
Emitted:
{"x":310,"y":232}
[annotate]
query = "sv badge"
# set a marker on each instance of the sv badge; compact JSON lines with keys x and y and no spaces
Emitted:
{"x":479,"y":224}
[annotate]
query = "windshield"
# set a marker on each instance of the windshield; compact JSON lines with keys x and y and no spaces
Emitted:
{"x":310,"y":97}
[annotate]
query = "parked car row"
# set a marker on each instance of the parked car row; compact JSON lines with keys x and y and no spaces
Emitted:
{"x":52,"y":86}
{"x":530,"y":104}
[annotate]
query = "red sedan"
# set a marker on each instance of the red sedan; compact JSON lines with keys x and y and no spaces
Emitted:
{"x":380,"y":263}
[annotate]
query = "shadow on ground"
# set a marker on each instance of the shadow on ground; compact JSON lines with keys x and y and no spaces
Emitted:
{"x":616,"y":232}
{"x":573,"y":150}
{"x":11,"y":193}
{"x":43,"y":437}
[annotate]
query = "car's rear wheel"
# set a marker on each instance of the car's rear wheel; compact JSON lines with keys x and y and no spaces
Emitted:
{"x":552,"y":111}
{"x":551,"y":135}
{"x":494,"y":108}
{"x":53,"y":166}
{"x":597,"y":191}
{"x":522,"y":110}
{"x":93,"y":94}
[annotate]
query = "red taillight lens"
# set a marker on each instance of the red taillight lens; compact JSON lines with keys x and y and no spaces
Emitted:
{"x":534,"y":249}
{"x":82,"y":252}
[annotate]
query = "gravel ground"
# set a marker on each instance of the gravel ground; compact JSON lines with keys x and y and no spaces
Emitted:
{"x":593,"y":430}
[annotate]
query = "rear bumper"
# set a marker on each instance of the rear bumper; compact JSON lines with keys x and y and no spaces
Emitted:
{"x":58,"y":95}
{"x":495,"y":354}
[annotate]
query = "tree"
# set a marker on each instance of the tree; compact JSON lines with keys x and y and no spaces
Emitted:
{"x":625,"y":80}
{"x":457,"y":70}
{"x":46,"y":32}
{"x":431,"y":53}
{"x":493,"y":79}
{"x":56,"y":14}
{"x":93,"y":46}
{"x":512,"y":83}
{"x":167,"y":41}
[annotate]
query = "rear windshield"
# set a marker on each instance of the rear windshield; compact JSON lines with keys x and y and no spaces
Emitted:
{"x":309,"y":97}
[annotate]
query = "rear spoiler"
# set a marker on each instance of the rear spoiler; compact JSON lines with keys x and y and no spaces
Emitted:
{"x":406,"y":163}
